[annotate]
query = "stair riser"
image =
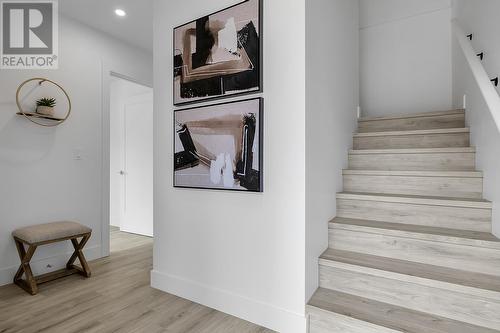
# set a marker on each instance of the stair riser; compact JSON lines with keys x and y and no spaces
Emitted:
{"x":329,"y":322}
{"x":412,"y":141}
{"x":410,"y":124}
{"x":465,"y":308}
{"x":412,"y":162}
{"x":458,"y":187}
{"x":436,"y":216}
{"x":463,"y":256}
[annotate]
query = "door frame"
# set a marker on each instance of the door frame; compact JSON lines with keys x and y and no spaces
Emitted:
{"x":107,"y":73}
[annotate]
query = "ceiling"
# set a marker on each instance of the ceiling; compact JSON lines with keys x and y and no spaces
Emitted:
{"x":135,"y":29}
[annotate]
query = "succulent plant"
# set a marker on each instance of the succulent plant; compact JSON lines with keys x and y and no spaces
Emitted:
{"x":49,"y":102}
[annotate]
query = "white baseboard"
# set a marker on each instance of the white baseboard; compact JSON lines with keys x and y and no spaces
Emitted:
{"x":254,"y":311}
{"x":40,"y":266}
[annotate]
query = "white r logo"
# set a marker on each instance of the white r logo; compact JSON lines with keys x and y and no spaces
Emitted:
{"x":17,"y":28}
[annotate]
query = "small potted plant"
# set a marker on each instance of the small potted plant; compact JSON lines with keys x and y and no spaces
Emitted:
{"x":46,"y":106}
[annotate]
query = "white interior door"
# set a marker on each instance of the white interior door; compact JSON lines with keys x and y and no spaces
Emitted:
{"x":138,"y":166}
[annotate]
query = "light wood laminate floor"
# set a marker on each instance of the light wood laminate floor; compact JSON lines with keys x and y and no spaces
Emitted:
{"x":117,"y":298}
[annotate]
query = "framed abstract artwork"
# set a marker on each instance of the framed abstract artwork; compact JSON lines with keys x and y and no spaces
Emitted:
{"x":219,"y":146}
{"x":219,"y":55}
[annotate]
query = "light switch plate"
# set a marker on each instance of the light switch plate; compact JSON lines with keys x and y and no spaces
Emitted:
{"x":77,"y":154}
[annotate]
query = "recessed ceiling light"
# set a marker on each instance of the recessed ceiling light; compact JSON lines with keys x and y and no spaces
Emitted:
{"x":120,"y":12}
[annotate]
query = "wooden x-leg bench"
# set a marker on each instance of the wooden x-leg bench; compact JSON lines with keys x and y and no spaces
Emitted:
{"x":48,"y":233}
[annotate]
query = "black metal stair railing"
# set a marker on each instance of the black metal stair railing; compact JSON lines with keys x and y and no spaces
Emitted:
{"x":481,"y":57}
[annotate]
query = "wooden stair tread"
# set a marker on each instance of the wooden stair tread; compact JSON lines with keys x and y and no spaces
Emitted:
{"x":415,"y":173}
{"x":422,"y":121}
{"x":420,"y":229}
{"x":413,"y":151}
{"x":414,"y":115}
{"x":413,"y":132}
{"x":426,"y":271}
{"x":417,"y":199}
{"x":387,"y":315}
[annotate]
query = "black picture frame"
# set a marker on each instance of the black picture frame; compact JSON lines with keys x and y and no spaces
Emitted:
{"x":260,"y":88}
{"x":260,"y":153}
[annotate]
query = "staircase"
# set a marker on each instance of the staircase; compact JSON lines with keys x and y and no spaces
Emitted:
{"x":411,"y":248}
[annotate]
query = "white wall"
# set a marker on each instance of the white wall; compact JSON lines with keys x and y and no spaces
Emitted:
{"x":481,"y":19}
{"x":332,"y":97}
{"x":405,"y":56}
{"x":242,"y":253}
{"x":121,"y":91}
{"x":41,"y":180}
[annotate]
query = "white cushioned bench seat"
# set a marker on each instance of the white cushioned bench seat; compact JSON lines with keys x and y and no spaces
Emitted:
{"x":50,"y":231}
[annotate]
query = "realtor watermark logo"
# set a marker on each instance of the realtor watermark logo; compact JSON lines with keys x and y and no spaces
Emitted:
{"x":29,"y":34}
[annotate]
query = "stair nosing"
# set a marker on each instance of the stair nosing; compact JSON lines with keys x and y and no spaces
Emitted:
{"x":323,"y":310}
{"x":413,"y":151}
{"x":427,"y":233}
{"x":413,"y":269}
{"x":415,"y":173}
{"x":417,"y":200}
{"x":378,"y":312}
{"x":415,"y":115}
{"x":413,"y":132}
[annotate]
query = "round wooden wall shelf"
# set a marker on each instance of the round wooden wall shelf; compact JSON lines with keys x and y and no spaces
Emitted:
{"x":40,"y":119}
